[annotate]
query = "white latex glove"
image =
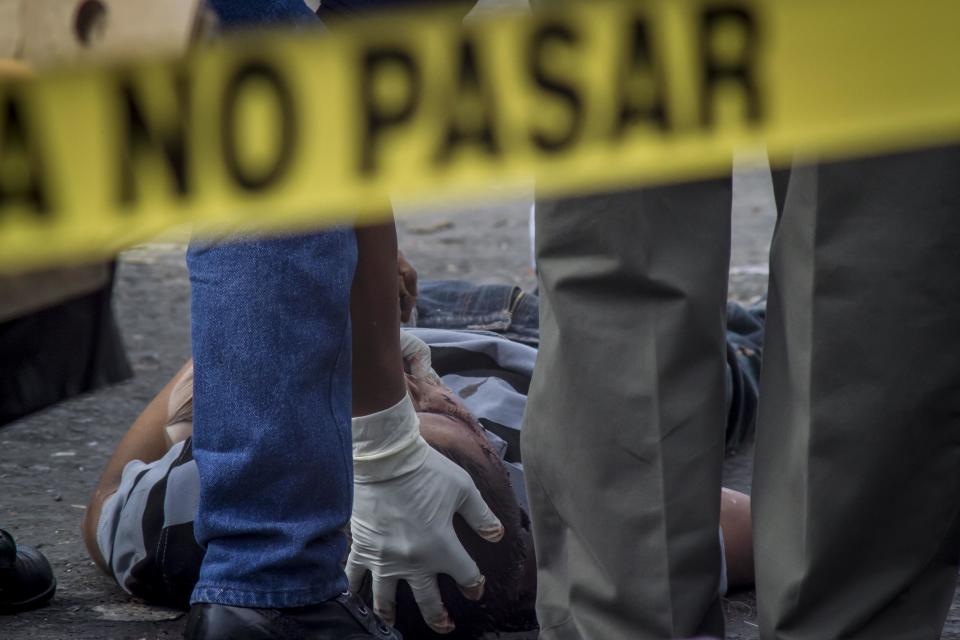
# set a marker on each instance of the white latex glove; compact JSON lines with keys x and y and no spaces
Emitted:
{"x":416,"y":354}
{"x":405,"y":497}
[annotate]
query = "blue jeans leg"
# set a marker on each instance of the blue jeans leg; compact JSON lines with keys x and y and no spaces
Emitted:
{"x":271,"y":347}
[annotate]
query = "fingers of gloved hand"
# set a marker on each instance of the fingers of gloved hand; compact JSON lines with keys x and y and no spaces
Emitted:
{"x":355,"y":571}
{"x":416,"y":356}
{"x":427,"y":374}
{"x":427,"y":594}
{"x":385,"y":598}
{"x":475,"y":591}
{"x":478,"y":515}
{"x":413,"y":347}
{"x":431,"y":376}
{"x":462,"y":568}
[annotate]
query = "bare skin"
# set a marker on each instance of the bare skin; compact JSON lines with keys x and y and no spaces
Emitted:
{"x":375,"y":319}
{"x":737,"y":537}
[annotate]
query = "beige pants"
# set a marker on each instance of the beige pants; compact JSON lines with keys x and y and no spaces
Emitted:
{"x":621,"y":442}
{"x":857,"y":476}
{"x":857,"y":472}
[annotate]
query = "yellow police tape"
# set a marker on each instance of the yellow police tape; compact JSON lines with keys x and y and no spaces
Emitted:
{"x":294,"y":131}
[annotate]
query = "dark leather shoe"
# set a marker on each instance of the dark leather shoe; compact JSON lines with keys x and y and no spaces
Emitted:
{"x":26,"y":579}
{"x":343,"y":618}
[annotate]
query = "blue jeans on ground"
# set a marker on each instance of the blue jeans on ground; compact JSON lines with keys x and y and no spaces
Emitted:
{"x":271,"y":434}
{"x":500,"y":308}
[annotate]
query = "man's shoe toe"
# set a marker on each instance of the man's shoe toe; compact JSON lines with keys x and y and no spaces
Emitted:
{"x":345,"y":617}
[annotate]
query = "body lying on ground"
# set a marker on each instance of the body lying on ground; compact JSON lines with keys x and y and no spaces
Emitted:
{"x":139,"y":526}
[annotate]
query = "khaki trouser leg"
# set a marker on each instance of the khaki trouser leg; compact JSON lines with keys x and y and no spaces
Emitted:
{"x":857,"y":473}
{"x":623,"y":436}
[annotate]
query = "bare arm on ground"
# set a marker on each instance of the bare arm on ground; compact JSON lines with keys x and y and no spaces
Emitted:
{"x":145,"y":440}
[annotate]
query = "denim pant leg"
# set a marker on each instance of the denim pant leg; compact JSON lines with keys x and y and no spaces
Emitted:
{"x":271,"y":432}
{"x":745,"y":328}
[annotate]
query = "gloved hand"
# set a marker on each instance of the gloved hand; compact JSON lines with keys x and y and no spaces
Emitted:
{"x":405,"y":497}
{"x":416,"y":355}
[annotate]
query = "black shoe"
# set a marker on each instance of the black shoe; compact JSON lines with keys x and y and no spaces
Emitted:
{"x":26,"y":579}
{"x":343,"y":618}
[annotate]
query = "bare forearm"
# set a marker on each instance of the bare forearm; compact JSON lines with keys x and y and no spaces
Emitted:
{"x":377,"y":364}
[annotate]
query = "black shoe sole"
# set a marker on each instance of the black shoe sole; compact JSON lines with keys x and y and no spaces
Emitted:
{"x":7,"y":608}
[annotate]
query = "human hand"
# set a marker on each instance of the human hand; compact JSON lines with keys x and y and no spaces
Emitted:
{"x":416,"y":356}
{"x":405,"y":497}
{"x":407,"y":280}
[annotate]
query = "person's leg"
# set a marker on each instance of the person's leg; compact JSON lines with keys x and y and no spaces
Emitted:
{"x":857,"y":474}
{"x":623,"y":440}
{"x":271,"y":346}
{"x":781,"y":180}
{"x":271,"y":343}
